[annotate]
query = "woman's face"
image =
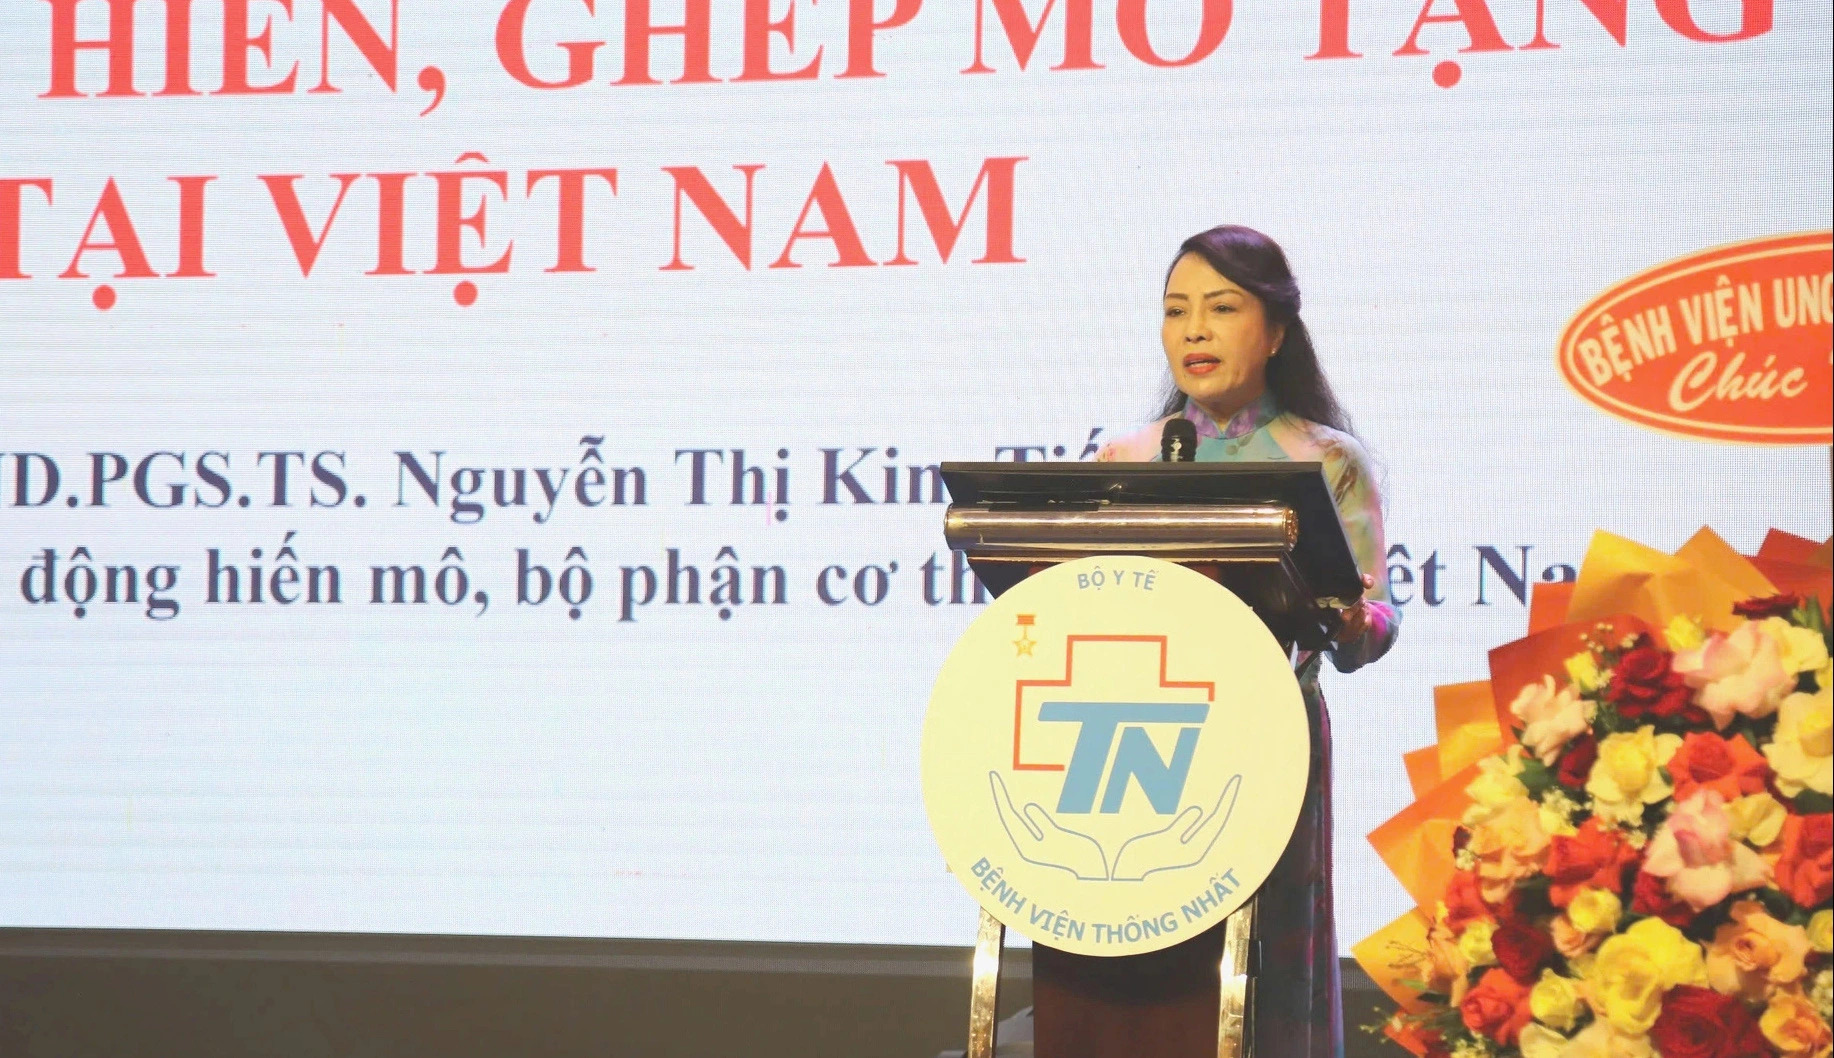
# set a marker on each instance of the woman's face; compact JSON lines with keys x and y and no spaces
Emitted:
{"x":1217,"y":337}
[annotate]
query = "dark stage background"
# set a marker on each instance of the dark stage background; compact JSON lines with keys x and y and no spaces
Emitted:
{"x":86,"y":994}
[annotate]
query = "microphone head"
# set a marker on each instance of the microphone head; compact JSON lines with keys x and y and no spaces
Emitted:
{"x":1178,"y":444}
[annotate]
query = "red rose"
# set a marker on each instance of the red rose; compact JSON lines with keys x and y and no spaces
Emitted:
{"x":1727,"y":765}
{"x":1497,"y":1007}
{"x":1642,"y":682}
{"x":1643,"y":665}
{"x":1805,"y":859}
{"x":1701,"y":1023}
{"x":1521,"y":949}
{"x":1650,"y":896}
{"x":1677,"y":704}
{"x":1593,"y":856}
{"x":1774,"y":606}
{"x":1575,"y":765}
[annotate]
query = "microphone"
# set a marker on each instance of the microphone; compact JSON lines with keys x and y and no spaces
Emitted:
{"x":1179,"y":442}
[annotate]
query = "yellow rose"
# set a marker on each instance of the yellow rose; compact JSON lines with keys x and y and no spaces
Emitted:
{"x":1627,"y":994}
{"x":1824,"y":677}
{"x":1496,"y":785}
{"x":1474,"y":943}
{"x":1680,"y":958}
{"x":1582,"y":669}
{"x":1800,"y":649}
{"x":1821,"y":931}
{"x":1628,"y":774}
{"x":1757,"y":818}
{"x":1792,"y":1026}
{"x":1635,"y":968}
{"x":1539,"y":1041}
{"x":1554,"y":1001}
{"x":1802,"y":750}
{"x":1595,"y":910}
{"x":1684,"y":633}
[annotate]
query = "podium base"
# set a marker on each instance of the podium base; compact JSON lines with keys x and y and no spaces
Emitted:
{"x":1191,"y":1000}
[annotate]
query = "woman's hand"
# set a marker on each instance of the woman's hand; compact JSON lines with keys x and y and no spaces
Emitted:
{"x":1356,"y":618}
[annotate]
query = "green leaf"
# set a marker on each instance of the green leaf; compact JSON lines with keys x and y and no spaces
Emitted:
{"x":1776,"y":904}
{"x":1607,"y":721}
{"x":1811,"y":802}
{"x":1808,"y":615}
{"x":1707,"y":923}
{"x":1532,"y":899}
{"x":1534,"y":886}
{"x":1536,"y":776}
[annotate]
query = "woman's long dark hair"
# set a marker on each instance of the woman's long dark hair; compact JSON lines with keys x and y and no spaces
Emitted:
{"x":1256,"y":263}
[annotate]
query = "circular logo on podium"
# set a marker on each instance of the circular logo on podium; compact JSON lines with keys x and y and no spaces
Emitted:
{"x":1114,"y":755}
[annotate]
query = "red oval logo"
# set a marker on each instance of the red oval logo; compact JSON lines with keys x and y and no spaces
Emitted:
{"x":1735,"y":343}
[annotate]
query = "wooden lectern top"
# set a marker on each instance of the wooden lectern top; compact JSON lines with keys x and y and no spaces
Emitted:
{"x":1320,"y":550}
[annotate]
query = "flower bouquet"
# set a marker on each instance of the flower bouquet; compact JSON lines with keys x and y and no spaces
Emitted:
{"x":1621,"y":845}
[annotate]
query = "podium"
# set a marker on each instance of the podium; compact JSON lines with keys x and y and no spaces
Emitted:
{"x":1270,"y":533}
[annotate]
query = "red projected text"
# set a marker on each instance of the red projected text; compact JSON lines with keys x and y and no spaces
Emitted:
{"x":276,"y":47}
{"x":467,"y":220}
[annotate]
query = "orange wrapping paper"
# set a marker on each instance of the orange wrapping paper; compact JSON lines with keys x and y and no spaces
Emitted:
{"x":1422,"y":769}
{"x":1417,"y":844}
{"x":1623,"y":576}
{"x":1465,"y":720}
{"x":1547,"y":606}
